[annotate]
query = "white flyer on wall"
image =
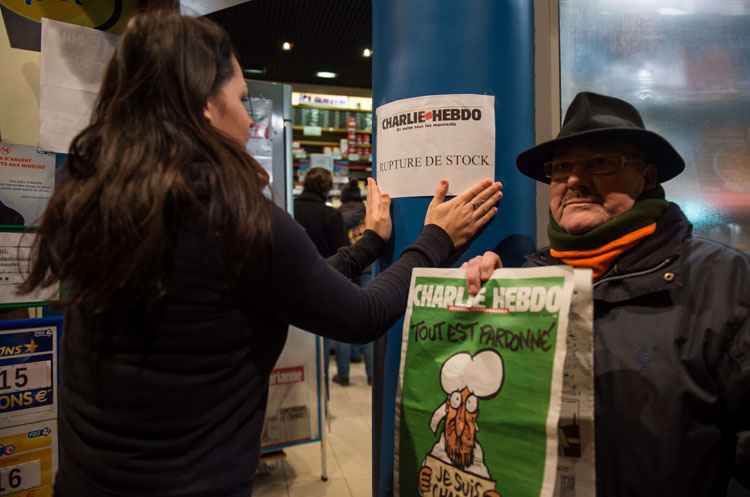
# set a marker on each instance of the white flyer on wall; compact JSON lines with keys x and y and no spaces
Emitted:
{"x":72,"y":67}
{"x":422,"y":140}
{"x":15,"y":263}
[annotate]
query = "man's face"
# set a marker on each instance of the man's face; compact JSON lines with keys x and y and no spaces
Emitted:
{"x":582,"y":200}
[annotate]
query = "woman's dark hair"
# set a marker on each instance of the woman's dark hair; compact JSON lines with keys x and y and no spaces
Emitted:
{"x":318,"y":180}
{"x":148,"y":163}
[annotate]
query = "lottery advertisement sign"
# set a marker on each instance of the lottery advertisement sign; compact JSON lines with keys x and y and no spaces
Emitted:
{"x":28,"y":375}
{"x":28,"y":459}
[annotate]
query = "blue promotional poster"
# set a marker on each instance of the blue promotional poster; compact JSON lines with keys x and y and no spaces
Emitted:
{"x":28,"y":375}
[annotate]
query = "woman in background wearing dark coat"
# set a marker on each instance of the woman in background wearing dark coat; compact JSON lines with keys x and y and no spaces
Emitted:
{"x":323,"y":223}
{"x":324,"y":226}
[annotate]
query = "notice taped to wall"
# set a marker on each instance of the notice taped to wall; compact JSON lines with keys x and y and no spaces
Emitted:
{"x":425,"y":139}
{"x":72,"y":69}
{"x":15,"y":263}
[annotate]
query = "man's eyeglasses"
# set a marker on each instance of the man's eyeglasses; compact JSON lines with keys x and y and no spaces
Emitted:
{"x":598,"y":165}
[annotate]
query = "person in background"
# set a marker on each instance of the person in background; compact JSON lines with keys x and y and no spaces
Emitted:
{"x":671,"y":309}
{"x":325,"y":227}
{"x":353,"y":215}
{"x":182,"y":278}
{"x":322,"y":223}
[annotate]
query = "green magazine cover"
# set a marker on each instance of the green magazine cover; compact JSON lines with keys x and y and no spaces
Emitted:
{"x":481,"y":384}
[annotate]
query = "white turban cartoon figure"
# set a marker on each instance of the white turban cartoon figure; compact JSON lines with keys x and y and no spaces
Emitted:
{"x":466,"y":380}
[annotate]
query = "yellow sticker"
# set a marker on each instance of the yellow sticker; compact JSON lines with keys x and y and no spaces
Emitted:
{"x":107,"y":15}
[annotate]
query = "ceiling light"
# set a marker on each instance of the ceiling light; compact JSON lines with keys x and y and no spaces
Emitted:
{"x":668,"y":11}
{"x":286,"y":46}
{"x":366,"y":52}
{"x":645,"y":76}
{"x":255,"y":71}
{"x":326,"y":74}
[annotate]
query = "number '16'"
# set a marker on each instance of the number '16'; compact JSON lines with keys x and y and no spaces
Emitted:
{"x":14,"y":480}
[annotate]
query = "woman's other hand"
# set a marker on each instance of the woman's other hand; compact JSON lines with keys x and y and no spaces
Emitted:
{"x":378,"y":211}
{"x":479,"y":269}
{"x":462,"y":216}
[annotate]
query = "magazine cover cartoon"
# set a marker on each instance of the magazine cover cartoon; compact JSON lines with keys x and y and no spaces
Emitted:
{"x":457,"y":459}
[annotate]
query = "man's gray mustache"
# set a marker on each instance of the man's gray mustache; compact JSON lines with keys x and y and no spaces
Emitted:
{"x":576,"y":194}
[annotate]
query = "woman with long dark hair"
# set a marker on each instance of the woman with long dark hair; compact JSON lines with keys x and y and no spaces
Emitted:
{"x":180,"y":278}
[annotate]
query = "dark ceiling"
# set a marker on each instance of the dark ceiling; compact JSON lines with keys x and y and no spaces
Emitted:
{"x":327,"y":35}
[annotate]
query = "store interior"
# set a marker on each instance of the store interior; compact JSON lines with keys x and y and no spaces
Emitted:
{"x":309,"y":69}
{"x":325,"y":54}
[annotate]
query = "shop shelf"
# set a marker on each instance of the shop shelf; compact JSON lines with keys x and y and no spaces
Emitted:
{"x":330,"y":107}
{"x":316,"y":143}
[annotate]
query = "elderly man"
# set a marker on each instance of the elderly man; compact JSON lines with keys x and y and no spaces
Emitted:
{"x":671,"y":325}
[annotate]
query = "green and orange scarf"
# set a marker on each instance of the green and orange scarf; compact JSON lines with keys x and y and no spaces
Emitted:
{"x":599,"y":248}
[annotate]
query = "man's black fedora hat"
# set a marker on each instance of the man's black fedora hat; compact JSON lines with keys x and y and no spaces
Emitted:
{"x":598,"y":118}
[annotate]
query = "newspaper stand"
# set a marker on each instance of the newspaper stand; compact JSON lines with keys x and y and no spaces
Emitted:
{"x":296,"y":414}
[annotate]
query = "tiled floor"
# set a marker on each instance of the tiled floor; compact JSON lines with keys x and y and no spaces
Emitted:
{"x":349,"y":450}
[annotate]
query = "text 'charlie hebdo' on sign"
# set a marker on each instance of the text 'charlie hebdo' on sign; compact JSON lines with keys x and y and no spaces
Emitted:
{"x":425,"y":139}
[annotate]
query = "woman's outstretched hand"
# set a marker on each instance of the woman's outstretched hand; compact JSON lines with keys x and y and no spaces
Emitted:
{"x":463,"y":215}
{"x":378,"y":211}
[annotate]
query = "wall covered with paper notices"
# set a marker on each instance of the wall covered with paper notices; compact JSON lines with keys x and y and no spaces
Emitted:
{"x":20,"y":33}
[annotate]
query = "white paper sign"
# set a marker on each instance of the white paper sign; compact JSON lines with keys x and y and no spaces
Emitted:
{"x":74,"y":59}
{"x":203,"y":7}
{"x":425,"y":139}
{"x":15,"y":262}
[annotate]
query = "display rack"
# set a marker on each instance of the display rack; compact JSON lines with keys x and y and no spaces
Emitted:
{"x":296,"y":413}
{"x":335,"y":127}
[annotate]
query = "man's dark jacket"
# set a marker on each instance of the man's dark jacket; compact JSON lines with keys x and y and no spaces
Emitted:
{"x":672,"y":366}
{"x":322,"y":223}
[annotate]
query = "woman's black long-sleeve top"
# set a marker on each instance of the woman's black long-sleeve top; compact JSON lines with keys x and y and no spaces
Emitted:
{"x":173,"y":405}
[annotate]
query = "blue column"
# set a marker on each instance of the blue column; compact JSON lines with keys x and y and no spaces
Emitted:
{"x":432,"y":47}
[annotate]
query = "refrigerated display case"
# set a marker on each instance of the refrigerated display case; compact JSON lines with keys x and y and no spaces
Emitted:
{"x":295,"y":413}
{"x":270,"y":143}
